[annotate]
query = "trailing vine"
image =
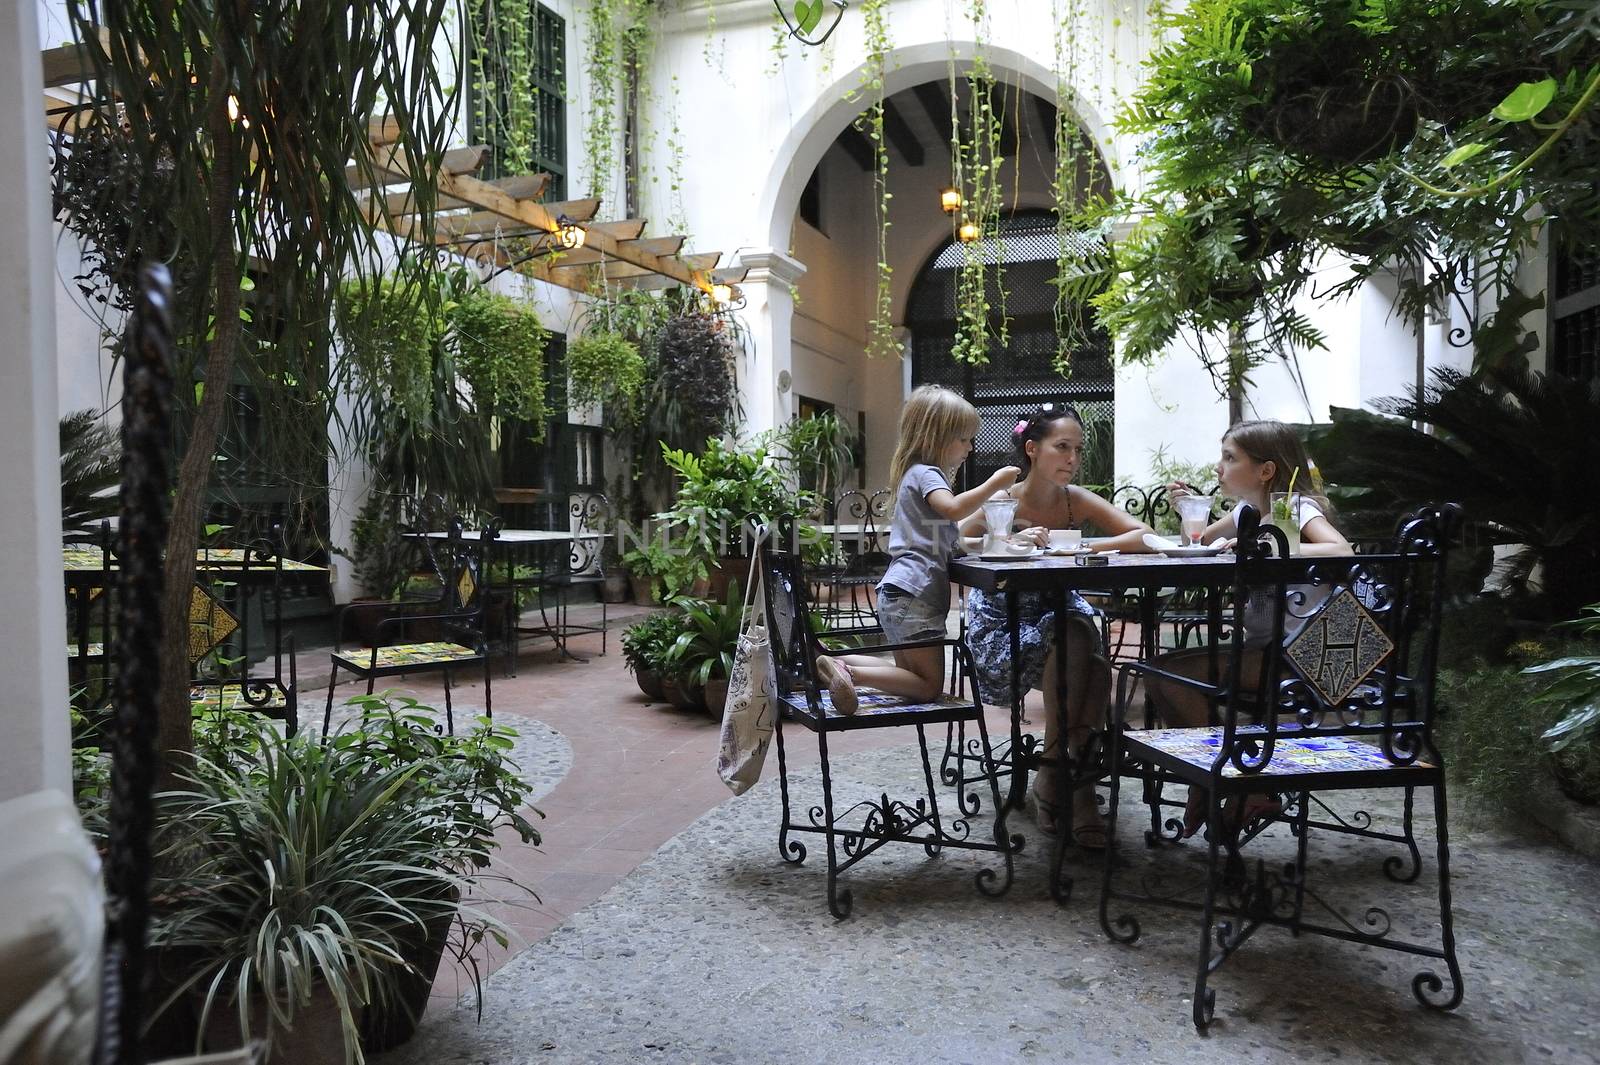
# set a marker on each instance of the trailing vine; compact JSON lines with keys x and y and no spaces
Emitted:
{"x":500,"y":71}
{"x":977,"y":162}
{"x":880,"y":331}
{"x":1071,"y":329}
{"x":389,"y":330}
{"x":601,"y":65}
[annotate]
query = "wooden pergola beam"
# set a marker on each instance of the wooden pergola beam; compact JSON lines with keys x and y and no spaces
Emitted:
{"x":521,"y":186}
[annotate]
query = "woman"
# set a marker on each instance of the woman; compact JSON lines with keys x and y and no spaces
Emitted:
{"x":1049,"y":449}
{"x":1258,"y":458}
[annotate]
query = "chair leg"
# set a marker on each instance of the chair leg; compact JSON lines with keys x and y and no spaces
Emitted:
{"x":1008,"y":844}
{"x":1393,"y":864}
{"x":839,"y":901}
{"x":933,"y":849}
{"x":449,"y":711}
{"x":1426,"y":985}
{"x":371,"y":681}
{"x":327,"y":712}
{"x":488,"y":690}
{"x":1205,"y":999}
{"x":605,"y":616}
{"x":792,"y":851}
{"x":1125,"y":929}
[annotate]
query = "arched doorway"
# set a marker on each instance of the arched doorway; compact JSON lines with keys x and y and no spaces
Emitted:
{"x":1020,"y":376}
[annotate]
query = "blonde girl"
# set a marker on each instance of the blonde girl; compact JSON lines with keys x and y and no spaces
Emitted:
{"x":937,"y":431}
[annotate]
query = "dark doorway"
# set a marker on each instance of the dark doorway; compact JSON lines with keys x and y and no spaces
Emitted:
{"x":1020,"y":376}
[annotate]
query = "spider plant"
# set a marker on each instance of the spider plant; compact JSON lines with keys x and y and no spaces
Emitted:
{"x":296,"y":871}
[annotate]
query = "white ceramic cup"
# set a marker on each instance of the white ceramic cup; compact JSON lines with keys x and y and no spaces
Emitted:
{"x":1066,"y":539}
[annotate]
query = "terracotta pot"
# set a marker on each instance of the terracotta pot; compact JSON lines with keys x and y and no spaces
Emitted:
{"x":716,"y":697}
{"x":682,"y":695}
{"x":729,"y":568}
{"x":650,"y":683}
{"x":646,"y":590}
{"x":614,"y":589}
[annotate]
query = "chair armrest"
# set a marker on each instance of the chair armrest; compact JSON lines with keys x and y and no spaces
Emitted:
{"x":878,"y":648}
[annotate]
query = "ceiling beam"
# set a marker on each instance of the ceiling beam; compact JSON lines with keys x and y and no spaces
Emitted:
{"x":858,"y":147}
{"x":936,"y":105}
{"x":1003,"y":99}
{"x":899,"y":133}
{"x":1047,"y":117}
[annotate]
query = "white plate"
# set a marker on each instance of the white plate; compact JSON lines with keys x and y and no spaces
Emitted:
{"x":1010,"y":556}
{"x":1176,"y":550}
{"x":1081,"y":549}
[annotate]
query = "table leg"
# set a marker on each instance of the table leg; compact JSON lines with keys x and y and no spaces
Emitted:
{"x":1019,"y":757}
{"x":1066,"y":775}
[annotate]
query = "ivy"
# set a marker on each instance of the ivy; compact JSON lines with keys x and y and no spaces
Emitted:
{"x":601,"y":66}
{"x":500,"y":71}
{"x":880,"y":331}
{"x":389,"y":330}
{"x":975,"y":151}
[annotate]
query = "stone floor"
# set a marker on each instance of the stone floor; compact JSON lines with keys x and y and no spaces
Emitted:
{"x":667,"y":929}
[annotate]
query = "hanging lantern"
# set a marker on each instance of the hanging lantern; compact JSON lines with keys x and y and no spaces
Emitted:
{"x":968,"y":232}
{"x":950,"y":200}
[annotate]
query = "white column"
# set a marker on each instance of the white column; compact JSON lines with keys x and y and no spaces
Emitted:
{"x":769,"y":317}
{"x":35,"y":745}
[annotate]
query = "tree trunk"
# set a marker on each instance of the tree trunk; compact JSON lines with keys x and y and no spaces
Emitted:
{"x":1235,"y":375}
{"x":194,"y":468}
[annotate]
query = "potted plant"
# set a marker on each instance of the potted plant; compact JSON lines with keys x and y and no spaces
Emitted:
{"x":707,"y":640}
{"x":605,"y":369}
{"x":719,"y":491}
{"x":647,"y":565}
{"x":645,"y":648}
{"x":307,"y":887}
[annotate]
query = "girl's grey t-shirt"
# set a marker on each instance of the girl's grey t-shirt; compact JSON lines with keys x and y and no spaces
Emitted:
{"x":921,"y":540}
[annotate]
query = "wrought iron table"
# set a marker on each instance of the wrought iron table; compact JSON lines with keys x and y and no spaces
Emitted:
{"x":1054,"y":576}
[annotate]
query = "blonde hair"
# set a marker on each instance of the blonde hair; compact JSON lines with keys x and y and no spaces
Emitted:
{"x":934,"y":417}
{"x":1275,"y":442}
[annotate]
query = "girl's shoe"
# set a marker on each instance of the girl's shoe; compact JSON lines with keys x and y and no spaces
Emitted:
{"x":836,"y":675}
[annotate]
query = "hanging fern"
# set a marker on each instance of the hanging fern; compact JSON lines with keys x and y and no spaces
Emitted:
{"x":499,"y":351}
{"x":388,"y":331}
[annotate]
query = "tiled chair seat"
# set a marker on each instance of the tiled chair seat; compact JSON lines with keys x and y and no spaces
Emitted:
{"x":401,"y":655}
{"x":1295,"y":753}
{"x":210,"y":697}
{"x":878,"y":707}
{"x":90,"y":651}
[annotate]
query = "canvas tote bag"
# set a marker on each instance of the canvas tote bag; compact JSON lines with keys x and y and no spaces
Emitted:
{"x":747,"y":717}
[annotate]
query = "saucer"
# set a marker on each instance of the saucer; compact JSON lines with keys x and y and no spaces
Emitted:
{"x":1010,"y":556}
{"x":1081,"y":549}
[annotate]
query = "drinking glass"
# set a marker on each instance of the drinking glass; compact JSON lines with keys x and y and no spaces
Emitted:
{"x":1281,"y":511}
{"x":1193,"y":513}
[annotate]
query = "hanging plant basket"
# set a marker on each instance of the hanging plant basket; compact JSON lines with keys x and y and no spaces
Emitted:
{"x":1343,"y":124}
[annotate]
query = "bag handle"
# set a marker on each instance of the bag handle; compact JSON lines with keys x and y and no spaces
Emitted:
{"x":751,"y":582}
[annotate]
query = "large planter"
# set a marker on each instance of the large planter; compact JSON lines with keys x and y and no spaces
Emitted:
{"x":650,"y":683}
{"x":387,"y":1025}
{"x":716,"y":697}
{"x":614,"y":589}
{"x":646,"y":590}
{"x":317,"y":1037}
{"x":728,"y":568}
{"x":681,"y":694}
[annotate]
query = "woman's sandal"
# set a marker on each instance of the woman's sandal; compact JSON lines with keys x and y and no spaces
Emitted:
{"x":1044,"y":812}
{"x":842,"y":688}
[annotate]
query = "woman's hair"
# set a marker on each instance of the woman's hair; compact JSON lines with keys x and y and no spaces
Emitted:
{"x":1275,"y":442}
{"x":1036,"y":427}
{"x":933,"y":418}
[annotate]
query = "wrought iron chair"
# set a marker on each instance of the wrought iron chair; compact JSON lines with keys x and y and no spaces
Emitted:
{"x":801,"y":698}
{"x":88,"y":559}
{"x":858,"y":563}
{"x":1350,"y":652}
{"x":589,"y":520}
{"x":460,"y":617}
{"x":235,"y":619}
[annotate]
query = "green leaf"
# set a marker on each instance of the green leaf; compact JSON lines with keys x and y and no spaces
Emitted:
{"x":1563,"y":663}
{"x":1462,"y":154}
{"x":807,"y":16}
{"x":1526,"y":100}
{"x":199,"y":392}
{"x":1573,"y":727}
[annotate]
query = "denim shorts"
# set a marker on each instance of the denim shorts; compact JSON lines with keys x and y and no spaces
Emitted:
{"x":906,"y":617}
